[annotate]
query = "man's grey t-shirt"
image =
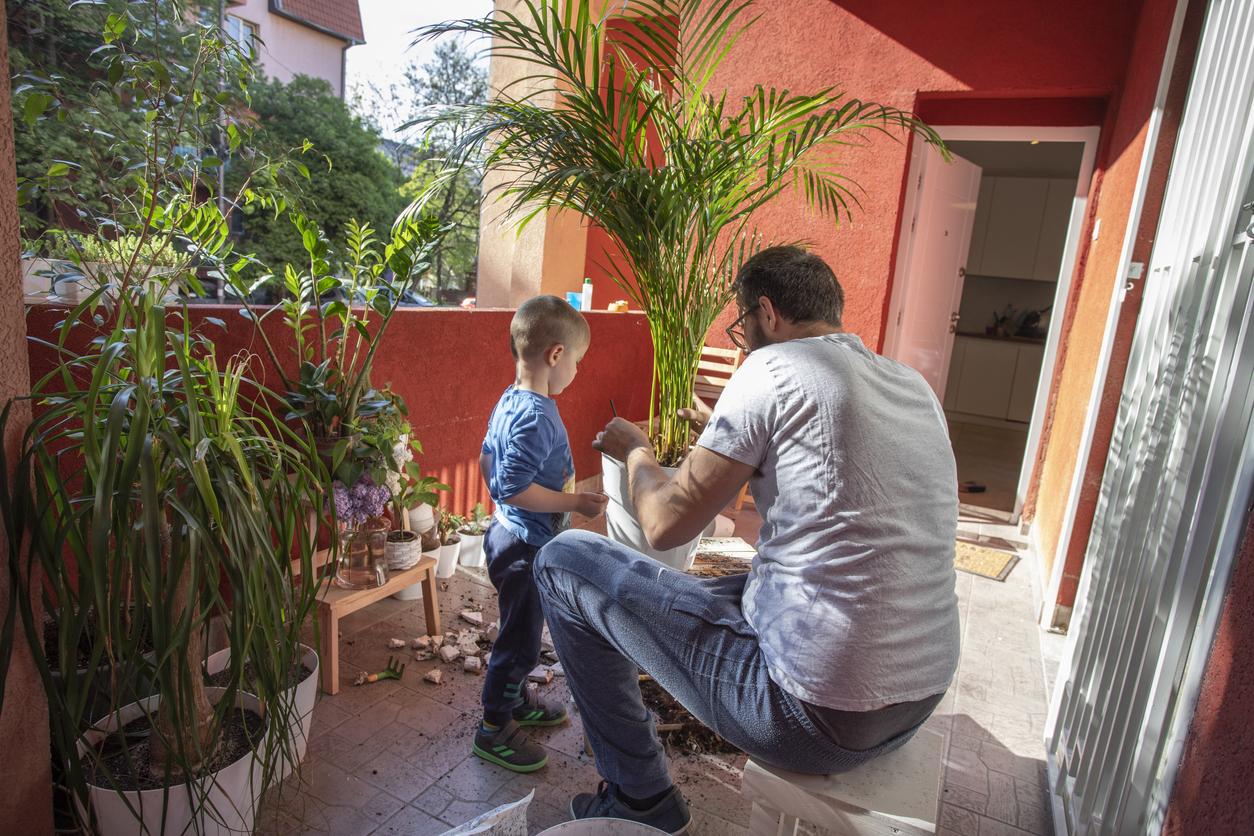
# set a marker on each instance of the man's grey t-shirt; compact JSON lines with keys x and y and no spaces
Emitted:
{"x":852,"y":593}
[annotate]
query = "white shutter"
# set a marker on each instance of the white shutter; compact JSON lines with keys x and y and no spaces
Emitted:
{"x":1176,"y":489}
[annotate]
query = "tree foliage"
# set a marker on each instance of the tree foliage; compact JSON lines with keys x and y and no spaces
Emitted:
{"x":348,"y":178}
{"x":451,"y":78}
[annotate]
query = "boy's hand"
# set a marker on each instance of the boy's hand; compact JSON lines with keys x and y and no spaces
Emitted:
{"x":699,"y":415}
{"x":591,"y":505}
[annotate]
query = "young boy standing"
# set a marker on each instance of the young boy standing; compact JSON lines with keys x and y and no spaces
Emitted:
{"x":527,"y":464}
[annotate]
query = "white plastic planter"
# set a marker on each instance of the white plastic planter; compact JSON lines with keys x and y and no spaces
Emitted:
{"x":306,"y":694}
{"x":223,"y":805}
{"x":601,"y":827}
{"x":421,"y":519}
{"x":447,"y":563}
{"x":622,"y":526}
{"x":471,"y":552}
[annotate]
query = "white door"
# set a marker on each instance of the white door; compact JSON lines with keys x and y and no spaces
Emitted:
{"x":937,"y":261}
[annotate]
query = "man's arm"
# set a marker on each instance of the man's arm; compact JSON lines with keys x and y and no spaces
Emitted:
{"x":672,"y":511}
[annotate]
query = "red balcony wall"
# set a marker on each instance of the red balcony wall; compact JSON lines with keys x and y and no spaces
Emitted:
{"x":450,"y":366}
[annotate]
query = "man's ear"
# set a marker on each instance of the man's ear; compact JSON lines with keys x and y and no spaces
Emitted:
{"x":554,"y":354}
{"x":772,"y":315}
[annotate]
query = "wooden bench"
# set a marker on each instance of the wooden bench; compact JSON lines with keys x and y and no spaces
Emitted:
{"x":334,"y":602}
{"x":715,"y":368}
{"x":897,"y":793}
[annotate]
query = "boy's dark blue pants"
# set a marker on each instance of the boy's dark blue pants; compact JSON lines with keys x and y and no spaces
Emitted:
{"x":516,"y":650}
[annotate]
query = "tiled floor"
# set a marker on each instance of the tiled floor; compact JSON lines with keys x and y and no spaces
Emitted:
{"x":991,"y":456}
{"x":394,"y":757}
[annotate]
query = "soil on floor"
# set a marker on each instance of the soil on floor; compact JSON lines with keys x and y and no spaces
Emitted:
{"x":693,"y":738}
{"x":127,"y":761}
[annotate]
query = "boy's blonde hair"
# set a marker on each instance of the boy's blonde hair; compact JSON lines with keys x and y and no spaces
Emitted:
{"x":545,"y":321}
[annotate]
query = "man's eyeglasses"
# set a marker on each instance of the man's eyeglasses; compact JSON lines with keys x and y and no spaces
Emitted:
{"x":736,"y":331}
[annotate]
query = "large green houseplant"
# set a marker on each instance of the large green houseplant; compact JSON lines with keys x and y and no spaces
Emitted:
{"x":617,"y":116}
{"x":157,"y":485}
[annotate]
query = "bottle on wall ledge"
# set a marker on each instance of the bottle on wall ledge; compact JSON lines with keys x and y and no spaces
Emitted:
{"x":586,"y":304}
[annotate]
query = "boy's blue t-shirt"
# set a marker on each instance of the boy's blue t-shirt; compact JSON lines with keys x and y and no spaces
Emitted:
{"x":528,"y":444}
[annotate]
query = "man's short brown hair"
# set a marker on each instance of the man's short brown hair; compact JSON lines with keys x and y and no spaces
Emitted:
{"x":545,"y":321}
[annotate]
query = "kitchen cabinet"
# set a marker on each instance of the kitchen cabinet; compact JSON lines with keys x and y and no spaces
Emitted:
{"x":1020,"y":227}
{"x":994,"y":378}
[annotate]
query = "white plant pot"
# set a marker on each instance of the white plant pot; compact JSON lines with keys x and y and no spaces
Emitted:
{"x":421,"y":519}
{"x":447,"y":563}
{"x":622,"y":526}
{"x":305,"y":694}
{"x":229,"y":795}
{"x":601,"y":827}
{"x":471,"y":553}
{"x":403,"y":554}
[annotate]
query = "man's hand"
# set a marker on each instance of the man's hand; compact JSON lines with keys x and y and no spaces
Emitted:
{"x":699,"y":415}
{"x":591,"y":505}
{"x":620,"y":437}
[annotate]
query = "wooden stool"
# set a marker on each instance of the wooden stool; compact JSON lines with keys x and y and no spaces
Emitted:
{"x":897,"y":793}
{"x":334,"y":602}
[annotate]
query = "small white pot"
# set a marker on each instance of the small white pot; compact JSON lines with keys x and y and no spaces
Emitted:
{"x":622,"y":526}
{"x":403,"y":553}
{"x":421,"y":519}
{"x":305,"y":694}
{"x":229,"y":795}
{"x":447,"y":563}
{"x":471,"y":553}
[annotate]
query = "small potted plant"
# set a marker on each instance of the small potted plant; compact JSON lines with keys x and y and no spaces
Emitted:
{"x":410,"y":490}
{"x":450,"y":542}
{"x":472,"y":534}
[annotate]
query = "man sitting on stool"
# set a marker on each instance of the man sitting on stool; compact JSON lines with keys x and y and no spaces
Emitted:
{"x":842,"y":639}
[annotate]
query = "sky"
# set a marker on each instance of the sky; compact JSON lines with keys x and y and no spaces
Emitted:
{"x":389,"y":25}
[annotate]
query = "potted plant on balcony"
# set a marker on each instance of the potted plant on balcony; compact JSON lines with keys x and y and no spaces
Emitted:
{"x":472,"y":534}
{"x":450,"y":542}
{"x":338,"y":312}
{"x":156,"y":486}
{"x":617,"y":117}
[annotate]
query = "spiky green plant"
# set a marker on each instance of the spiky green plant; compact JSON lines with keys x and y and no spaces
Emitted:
{"x":617,"y":116}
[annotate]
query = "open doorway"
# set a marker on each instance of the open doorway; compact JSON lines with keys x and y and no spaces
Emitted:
{"x":1007,"y":277}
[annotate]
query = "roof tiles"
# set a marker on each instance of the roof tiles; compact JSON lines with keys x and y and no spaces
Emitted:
{"x":340,"y":17}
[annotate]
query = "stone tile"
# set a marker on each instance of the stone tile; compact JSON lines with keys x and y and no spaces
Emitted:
{"x":411,"y":821}
{"x":332,"y":786}
{"x":423,"y":714}
{"x":433,"y":801}
{"x":970,"y":727}
{"x":445,"y":750}
{"x":993,"y":827}
{"x":966,"y":769}
{"x":474,"y":779}
{"x":394,"y":775}
{"x":460,"y":812}
{"x":1032,"y":793}
{"x":367,"y":723}
{"x":542,"y":815}
{"x":1036,"y":820}
{"x":1002,"y":804}
{"x":337,"y":820}
{"x":708,"y":824}
{"x":959,"y":820}
{"x":967,"y":799}
{"x":1000,"y":759}
{"x":326,"y":717}
{"x":962,"y":741}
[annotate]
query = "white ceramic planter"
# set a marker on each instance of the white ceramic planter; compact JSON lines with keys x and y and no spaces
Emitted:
{"x":471,"y":553}
{"x":223,"y":805}
{"x":447,"y":563}
{"x":421,"y":519}
{"x":403,"y":554}
{"x":305,"y":695}
{"x":622,"y":526}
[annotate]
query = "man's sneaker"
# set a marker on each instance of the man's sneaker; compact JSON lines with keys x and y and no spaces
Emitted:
{"x":669,"y":815}
{"x":510,"y":747}
{"x":537,"y":711}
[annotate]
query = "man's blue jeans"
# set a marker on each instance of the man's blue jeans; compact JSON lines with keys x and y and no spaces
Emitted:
{"x":610,"y":609}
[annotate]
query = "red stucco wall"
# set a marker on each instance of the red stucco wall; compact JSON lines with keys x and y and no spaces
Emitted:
{"x":25,"y":769}
{"x":1090,"y":302}
{"x":451,"y":366}
{"x":895,"y":52}
{"x":1212,"y":792}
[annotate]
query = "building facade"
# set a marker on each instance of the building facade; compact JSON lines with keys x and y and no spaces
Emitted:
{"x":306,"y":37}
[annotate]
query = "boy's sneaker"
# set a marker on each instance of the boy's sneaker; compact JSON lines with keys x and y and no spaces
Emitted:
{"x":534,"y":710}
{"x":669,"y":815}
{"x":510,"y":747}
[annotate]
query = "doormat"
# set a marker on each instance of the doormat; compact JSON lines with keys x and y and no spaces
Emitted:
{"x":987,"y":563}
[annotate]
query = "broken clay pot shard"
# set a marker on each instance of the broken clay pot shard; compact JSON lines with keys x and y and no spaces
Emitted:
{"x":434,"y":676}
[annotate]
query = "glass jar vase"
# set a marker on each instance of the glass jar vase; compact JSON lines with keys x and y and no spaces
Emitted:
{"x":362,"y":562}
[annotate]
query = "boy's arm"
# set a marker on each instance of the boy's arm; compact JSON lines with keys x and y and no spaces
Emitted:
{"x":542,"y":500}
{"x":485,"y":468}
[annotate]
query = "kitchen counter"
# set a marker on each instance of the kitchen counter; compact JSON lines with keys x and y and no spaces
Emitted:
{"x":1024,"y":340}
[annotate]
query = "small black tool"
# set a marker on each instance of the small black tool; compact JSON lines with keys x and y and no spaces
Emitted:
{"x":612,"y":409}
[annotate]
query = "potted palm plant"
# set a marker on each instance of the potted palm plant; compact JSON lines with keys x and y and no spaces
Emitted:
{"x":157,"y":486}
{"x":640,"y":142}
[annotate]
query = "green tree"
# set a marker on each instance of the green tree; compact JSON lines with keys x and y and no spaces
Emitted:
{"x":451,"y":78}
{"x":348,"y":177}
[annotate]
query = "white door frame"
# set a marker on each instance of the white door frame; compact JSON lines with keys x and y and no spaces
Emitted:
{"x":979,"y":133}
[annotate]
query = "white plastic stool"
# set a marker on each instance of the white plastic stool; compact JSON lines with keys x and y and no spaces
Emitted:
{"x":896,"y":794}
